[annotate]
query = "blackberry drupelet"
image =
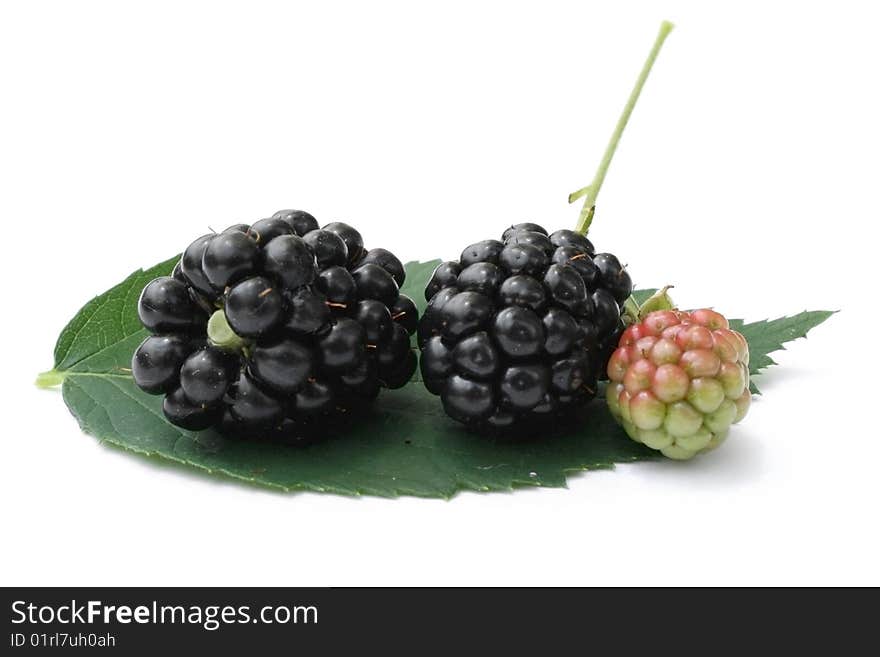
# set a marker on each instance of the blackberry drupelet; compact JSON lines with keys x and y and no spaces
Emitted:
{"x":275,"y":327}
{"x":521,"y":328}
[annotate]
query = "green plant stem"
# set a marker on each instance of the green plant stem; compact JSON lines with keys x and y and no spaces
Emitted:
{"x":586,"y":215}
{"x":574,"y":196}
{"x":49,"y":379}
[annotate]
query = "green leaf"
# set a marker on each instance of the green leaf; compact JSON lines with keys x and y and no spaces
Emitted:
{"x":404,"y":445}
{"x":106,"y":326}
{"x":767,"y":336}
{"x":640,"y":296}
{"x":417,"y":275}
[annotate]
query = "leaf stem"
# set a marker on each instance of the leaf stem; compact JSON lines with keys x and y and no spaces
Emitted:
{"x":50,"y":379}
{"x":586,"y":215}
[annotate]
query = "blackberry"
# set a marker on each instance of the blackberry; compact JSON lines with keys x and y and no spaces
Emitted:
{"x":679,"y":379}
{"x":521,"y":327}
{"x":274,"y":328}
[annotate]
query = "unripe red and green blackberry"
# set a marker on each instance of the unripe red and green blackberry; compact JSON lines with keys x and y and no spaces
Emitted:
{"x":519,"y":328}
{"x":267,"y":327}
{"x":679,"y":380}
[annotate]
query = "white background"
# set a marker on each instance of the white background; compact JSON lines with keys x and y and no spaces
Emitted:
{"x":747,"y":177}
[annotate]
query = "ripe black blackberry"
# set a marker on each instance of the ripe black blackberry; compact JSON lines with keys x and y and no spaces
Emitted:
{"x":275,"y":327}
{"x":521,"y":327}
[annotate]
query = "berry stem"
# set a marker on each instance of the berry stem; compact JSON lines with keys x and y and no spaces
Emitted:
{"x":586,"y":216}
